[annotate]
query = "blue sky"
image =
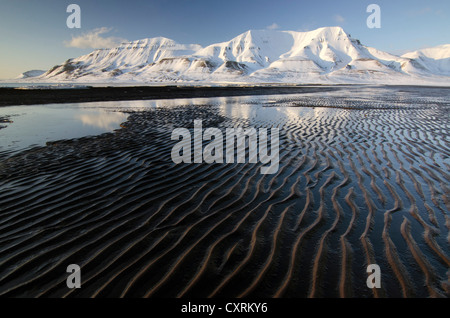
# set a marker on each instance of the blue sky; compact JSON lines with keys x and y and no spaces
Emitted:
{"x":34,"y":35}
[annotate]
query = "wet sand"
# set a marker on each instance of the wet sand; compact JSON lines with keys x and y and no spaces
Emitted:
{"x":361,"y":181}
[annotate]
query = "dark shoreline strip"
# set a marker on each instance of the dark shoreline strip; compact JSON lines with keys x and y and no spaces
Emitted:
{"x":12,"y":96}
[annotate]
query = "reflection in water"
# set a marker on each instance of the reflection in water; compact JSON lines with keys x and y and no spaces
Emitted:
{"x":36,"y":125}
{"x":257,"y":113}
{"x":102,"y":119}
{"x":139,"y":105}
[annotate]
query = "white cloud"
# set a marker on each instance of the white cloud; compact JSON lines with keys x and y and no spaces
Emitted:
{"x":94,"y":40}
{"x":273,"y":26}
{"x":339,"y":18}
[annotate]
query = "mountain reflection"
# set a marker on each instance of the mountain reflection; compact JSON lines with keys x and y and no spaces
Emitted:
{"x":102,"y":119}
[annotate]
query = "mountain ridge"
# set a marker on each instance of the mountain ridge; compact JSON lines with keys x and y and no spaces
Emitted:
{"x":324,"y":55}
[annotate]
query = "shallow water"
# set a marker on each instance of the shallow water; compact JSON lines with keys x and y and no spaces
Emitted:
{"x":363,"y":179}
{"x":38,"y":124}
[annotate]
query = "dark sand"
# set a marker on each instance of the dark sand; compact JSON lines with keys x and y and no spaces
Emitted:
{"x":355,"y":187}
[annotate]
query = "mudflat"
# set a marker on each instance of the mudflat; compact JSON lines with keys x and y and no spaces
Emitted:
{"x":363,"y":179}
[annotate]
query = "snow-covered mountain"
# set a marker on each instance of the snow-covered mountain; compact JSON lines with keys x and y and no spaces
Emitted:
{"x":30,"y":74}
{"x":325,"y":55}
{"x":435,"y":59}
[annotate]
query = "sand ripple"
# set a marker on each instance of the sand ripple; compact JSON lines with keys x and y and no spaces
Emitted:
{"x":360,"y":182}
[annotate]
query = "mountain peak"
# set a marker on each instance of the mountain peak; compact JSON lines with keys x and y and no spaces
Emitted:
{"x":330,"y":32}
{"x":331,"y":29}
{"x":436,"y":52}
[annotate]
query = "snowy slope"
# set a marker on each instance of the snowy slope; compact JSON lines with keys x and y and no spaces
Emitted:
{"x":130,"y":57}
{"x":29,"y":74}
{"x":435,"y":59}
{"x":325,"y":55}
